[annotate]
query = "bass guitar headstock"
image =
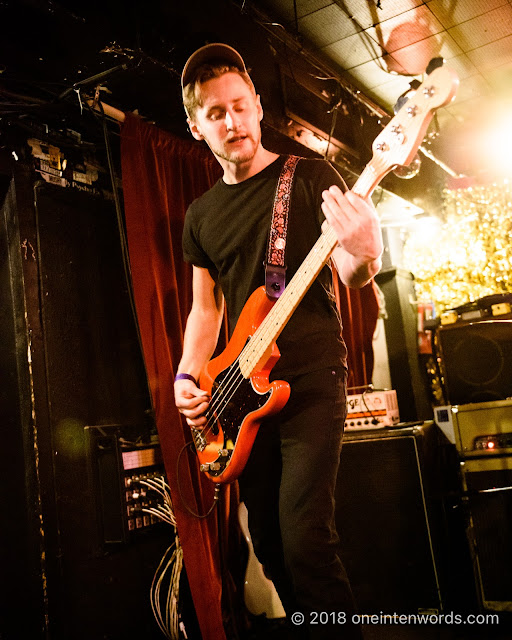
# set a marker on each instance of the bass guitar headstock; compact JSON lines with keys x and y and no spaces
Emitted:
{"x":398,"y":142}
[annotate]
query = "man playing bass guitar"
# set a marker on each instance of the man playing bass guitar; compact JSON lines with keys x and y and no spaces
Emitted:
{"x":289,"y":479}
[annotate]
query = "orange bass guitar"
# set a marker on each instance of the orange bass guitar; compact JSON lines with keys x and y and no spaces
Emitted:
{"x":238,"y":379}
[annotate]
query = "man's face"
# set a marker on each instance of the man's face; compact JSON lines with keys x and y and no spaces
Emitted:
{"x":229,"y":118}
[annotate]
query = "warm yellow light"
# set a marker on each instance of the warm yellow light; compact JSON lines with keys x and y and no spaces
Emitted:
{"x":470,"y":255}
{"x":494,"y":144}
{"x":427,"y":228}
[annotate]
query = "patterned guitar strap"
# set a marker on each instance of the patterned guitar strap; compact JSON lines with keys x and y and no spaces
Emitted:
{"x":275,"y":269}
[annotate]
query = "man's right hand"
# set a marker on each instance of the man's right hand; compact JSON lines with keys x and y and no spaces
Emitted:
{"x":191,"y":401}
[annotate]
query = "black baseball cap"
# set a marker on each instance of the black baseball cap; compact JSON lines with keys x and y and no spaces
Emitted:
{"x":214,"y":51}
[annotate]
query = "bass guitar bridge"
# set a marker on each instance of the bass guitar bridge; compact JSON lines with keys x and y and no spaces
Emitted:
{"x":199,"y":439}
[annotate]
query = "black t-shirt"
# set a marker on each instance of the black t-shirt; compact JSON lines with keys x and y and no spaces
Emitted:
{"x":227,"y":230}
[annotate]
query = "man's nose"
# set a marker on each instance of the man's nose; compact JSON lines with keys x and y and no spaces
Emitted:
{"x":231,"y":121}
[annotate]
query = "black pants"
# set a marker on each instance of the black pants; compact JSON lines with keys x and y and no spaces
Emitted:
{"x":288,"y":488}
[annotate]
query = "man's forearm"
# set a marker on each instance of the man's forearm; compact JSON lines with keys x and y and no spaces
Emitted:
{"x":200,"y":340}
{"x":355,"y":273}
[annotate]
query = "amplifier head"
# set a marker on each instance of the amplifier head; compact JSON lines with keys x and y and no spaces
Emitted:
{"x":371,"y":410}
{"x":481,"y":429}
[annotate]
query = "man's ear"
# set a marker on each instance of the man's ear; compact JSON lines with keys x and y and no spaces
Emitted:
{"x":194,"y":129}
{"x":259,"y":108}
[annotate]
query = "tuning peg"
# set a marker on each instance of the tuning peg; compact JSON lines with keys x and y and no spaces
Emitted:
{"x":434,"y":64}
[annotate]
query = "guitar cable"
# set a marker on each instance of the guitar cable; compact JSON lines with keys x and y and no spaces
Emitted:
{"x":225,"y":574}
{"x":216,"y":495}
{"x":363,"y":400}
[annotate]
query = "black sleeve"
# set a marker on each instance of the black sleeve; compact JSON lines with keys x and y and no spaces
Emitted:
{"x":192,"y":251}
{"x":323,"y":175}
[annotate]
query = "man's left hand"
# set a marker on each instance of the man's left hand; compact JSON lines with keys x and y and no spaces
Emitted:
{"x":355,"y":222}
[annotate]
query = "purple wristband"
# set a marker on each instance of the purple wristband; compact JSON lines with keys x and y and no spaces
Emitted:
{"x":185,"y":376}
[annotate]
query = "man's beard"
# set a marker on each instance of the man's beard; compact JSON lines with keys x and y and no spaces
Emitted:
{"x":236,"y":156}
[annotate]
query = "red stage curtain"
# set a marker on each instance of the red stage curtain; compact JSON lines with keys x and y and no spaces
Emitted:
{"x":359,"y":312}
{"x":162,"y":174}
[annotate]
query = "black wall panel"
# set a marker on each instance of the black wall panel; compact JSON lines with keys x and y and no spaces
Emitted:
{"x":72,"y":353}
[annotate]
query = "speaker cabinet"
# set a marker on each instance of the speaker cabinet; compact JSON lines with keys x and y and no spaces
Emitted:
{"x":476,"y":361}
{"x":408,"y":377}
{"x":488,"y":484}
{"x":390,"y":513}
